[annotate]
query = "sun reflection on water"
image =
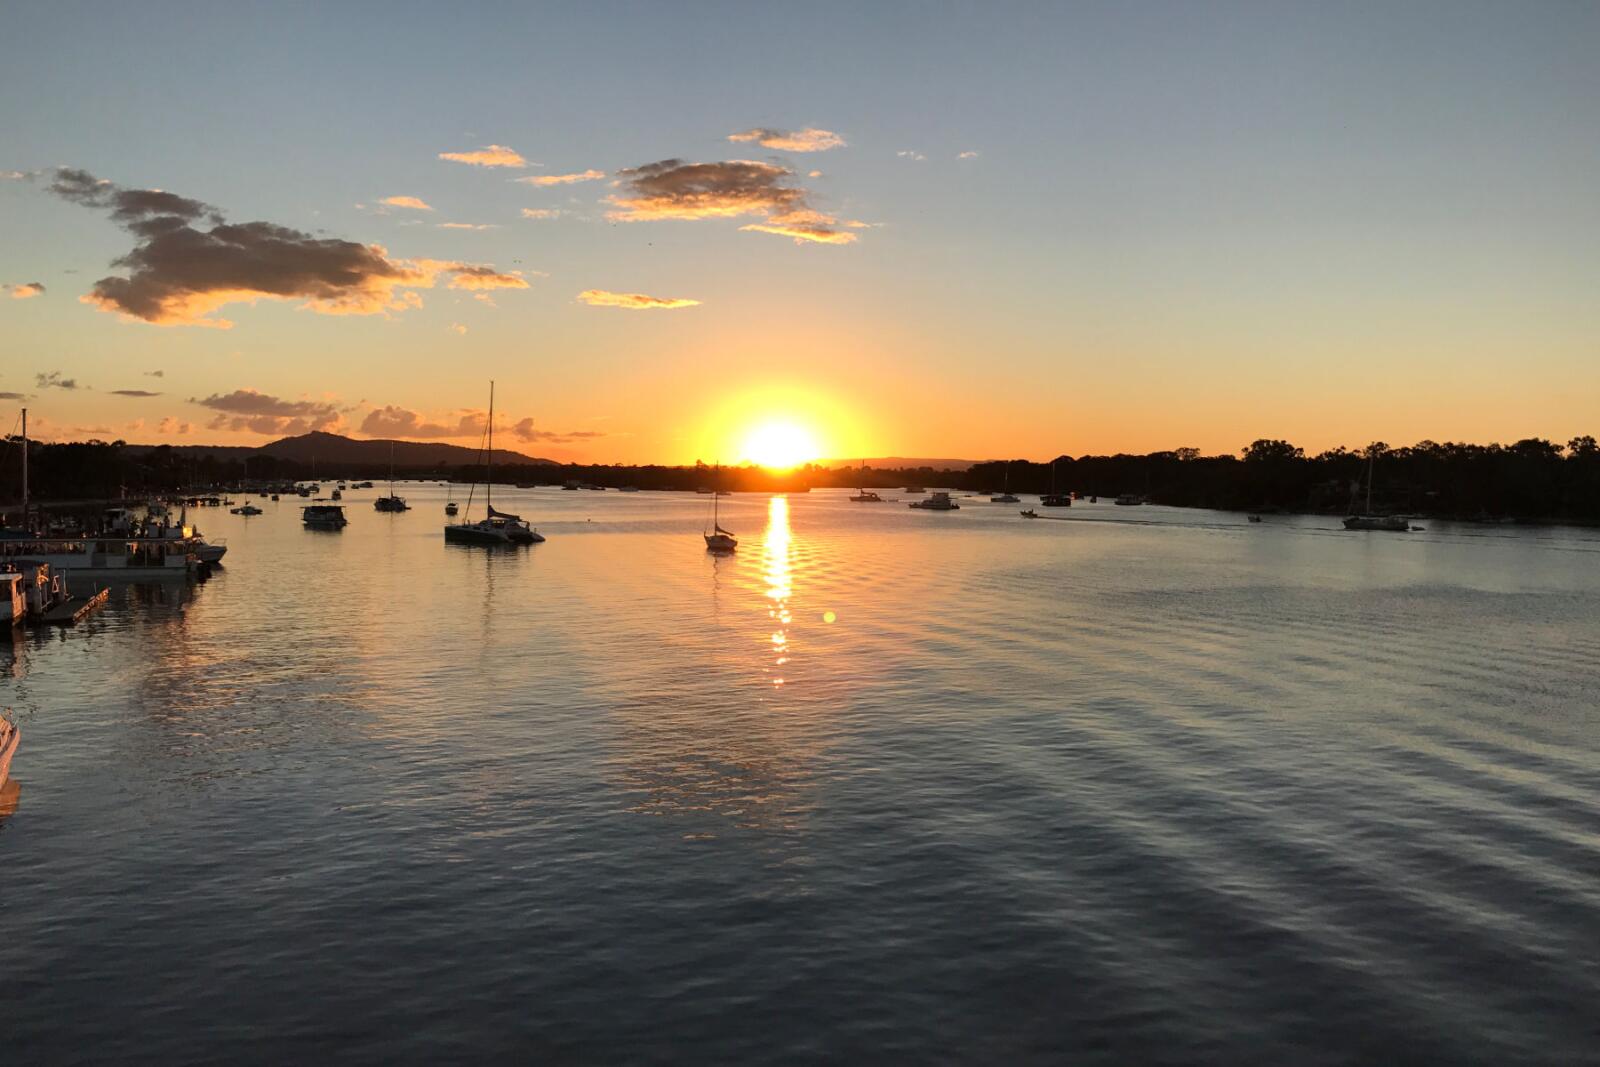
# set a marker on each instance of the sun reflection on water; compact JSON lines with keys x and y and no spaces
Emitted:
{"x":778,"y":571}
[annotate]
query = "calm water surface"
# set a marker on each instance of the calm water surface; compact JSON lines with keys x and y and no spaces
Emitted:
{"x":946,"y":787}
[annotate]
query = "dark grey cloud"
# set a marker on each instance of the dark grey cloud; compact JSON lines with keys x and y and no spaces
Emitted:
{"x":54,"y":380}
{"x":133,"y":392}
{"x":179,"y":272}
{"x":257,"y":412}
{"x":13,"y":396}
{"x":155,"y":374}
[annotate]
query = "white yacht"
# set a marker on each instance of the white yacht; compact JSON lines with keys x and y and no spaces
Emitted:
{"x":936,"y":502}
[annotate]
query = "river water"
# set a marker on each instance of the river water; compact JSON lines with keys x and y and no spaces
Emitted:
{"x":1139,"y":785}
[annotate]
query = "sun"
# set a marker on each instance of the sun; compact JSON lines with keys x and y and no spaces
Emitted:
{"x":780,"y":445}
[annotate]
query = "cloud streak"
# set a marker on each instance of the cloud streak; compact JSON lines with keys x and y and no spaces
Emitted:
{"x":525,"y":431}
{"x":809,"y":139}
{"x":179,"y":272}
{"x":562,"y":179}
{"x":133,"y":392}
{"x":25,"y":290}
{"x":634,"y":301}
{"x":411,"y":202}
{"x":674,"y":189}
{"x":492,"y":155}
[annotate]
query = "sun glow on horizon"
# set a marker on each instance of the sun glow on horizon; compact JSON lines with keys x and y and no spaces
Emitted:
{"x":780,"y":445}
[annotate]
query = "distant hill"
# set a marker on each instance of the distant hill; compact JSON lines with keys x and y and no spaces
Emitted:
{"x":338,"y":451}
{"x":334,"y":448}
{"x":903,"y":463}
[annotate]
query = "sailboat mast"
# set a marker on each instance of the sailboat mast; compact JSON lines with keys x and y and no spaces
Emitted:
{"x":488,"y":483}
{"x":24,"y":467}
{"x":1371,"y":460}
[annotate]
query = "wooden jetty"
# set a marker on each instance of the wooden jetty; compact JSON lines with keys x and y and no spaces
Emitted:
{"x":73,"y":608}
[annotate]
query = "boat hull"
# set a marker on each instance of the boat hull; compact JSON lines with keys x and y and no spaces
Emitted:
{"x":10,"y":738}
{"x":1387,"y":523}
{"x":721,"y":543}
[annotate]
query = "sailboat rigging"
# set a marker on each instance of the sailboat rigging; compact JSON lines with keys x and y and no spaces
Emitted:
{"x":391,"y":502}
{"x":718,"y":539}
{"x":497,"y":527}
{"x":1367,"y":520}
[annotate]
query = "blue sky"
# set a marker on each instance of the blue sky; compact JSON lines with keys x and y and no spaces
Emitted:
{"x":1184,"y":224}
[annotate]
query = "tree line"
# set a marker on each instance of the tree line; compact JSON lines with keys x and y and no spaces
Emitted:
{"x":1530,"y":479}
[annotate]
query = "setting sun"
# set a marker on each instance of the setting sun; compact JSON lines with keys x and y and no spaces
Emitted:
{"x":780,"y":445}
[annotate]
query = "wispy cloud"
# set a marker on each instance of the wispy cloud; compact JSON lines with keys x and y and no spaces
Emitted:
{"x":54,"y":380}
{"x":13,"y":396}
{"x":526,"y":431}
{"x":493,"y":155}
{"x":634,"y":301}
{"x":541,"y":213}
{"x":133,"y":392}
{"x":457,"y":328}
{"x":673,"y":189}
{"x":911,"y":154}
{"x":412,"y":202}
{"x":466,"y":226}
{"x":171,"y":426}
{"x":562,"y":179}
{"x":25,"y":290}
{"x":155,"y":374}
{"x":248,"y":409}
{"x":179,"y":273}
{"x":969,"y":154}
{"x":809,"y":139}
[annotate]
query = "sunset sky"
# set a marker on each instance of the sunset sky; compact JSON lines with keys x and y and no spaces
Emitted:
{"x":878,"y":229}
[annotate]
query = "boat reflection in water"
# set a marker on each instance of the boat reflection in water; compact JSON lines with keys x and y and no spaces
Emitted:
{"x":779,"y":576}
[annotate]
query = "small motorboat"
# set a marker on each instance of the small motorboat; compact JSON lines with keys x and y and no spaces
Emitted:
{"x":210,"y":551}
{"x":1254,"y":518}
{"x":451,"y":508}
{"x":1028,"y":513}
{"x":246,"y":509}
{"x":1005,"y":498}
{"x":866,"y":496}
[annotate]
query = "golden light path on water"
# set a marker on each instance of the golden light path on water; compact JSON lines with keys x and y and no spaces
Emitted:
{"x":779,"y":573}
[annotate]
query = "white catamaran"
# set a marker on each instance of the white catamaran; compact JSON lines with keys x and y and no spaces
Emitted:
{"x":496,"y":527}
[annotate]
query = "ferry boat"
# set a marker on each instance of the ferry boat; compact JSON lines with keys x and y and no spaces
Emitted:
{"x":936,"y":502}
{"x":323,"y":517}
{"x":123,"y":558}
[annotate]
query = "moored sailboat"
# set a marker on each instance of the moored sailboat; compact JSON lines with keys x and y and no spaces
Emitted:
{"x":718,"y":539}
{"x":391,"y":502}
{"x":496,"y":527}
{"x":1368,"y":520}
